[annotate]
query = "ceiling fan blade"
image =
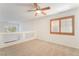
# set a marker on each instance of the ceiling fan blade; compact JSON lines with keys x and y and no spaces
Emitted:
{"x":36,"y":6}
{"x":36,"y":14}
{"x":30,"y":10}
{"x":46,"y":8}
{"x":43,"y":13}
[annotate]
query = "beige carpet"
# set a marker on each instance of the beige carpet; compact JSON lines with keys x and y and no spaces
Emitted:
{"x":38,"y":48}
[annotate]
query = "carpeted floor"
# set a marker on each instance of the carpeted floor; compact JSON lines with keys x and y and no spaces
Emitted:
{"x":38,"y":48}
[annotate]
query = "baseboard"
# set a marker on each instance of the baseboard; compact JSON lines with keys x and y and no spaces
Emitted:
{"x":59,"y":44}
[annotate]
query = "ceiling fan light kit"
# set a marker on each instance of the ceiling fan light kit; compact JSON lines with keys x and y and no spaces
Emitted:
{"x":38,"y":11}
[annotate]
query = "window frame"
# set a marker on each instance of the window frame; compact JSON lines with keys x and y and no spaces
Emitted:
{"x":60,"y":19}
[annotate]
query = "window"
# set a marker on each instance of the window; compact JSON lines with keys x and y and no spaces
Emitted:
{"x":63,"y":25}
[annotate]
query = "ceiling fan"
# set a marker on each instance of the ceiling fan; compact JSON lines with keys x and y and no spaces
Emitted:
{"x":38,"y":10}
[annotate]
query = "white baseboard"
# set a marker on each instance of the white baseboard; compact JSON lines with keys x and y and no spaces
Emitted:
{"x":60,"y":44}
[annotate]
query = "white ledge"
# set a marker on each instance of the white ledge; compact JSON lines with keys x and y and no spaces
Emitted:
{"x":16,"y":32}
{"x":3,"y":45}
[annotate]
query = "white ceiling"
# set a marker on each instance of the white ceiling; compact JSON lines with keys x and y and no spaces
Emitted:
{"x":18,"y":11}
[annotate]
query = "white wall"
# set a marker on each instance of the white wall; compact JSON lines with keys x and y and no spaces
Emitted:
{"x":42,"y":26}
{"x":27,"y":26}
